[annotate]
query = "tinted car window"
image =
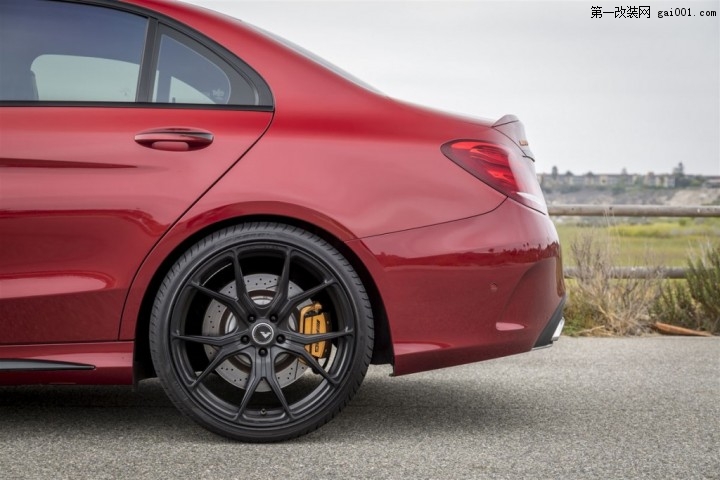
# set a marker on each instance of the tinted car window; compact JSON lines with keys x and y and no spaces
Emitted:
{"x":187,"y":72}
{"x":52,"y":51}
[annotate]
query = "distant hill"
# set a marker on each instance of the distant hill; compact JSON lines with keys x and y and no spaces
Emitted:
{"x":634,"y":196}
{"x":644,"y":196}
{"x":630,"y":189}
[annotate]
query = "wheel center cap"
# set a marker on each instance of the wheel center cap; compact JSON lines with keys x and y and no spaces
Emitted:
{"x":263,"y":333}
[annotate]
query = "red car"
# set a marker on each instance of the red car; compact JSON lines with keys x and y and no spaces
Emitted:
{"x":185,"y":196}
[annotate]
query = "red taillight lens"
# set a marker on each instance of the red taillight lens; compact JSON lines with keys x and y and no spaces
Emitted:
{"x":503,"y":170}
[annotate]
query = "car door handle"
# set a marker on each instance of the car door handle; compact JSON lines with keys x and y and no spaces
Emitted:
{"x":175,"y":139}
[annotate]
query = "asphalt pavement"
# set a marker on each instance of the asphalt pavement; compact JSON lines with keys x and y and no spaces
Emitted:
{"x":625,"y":408}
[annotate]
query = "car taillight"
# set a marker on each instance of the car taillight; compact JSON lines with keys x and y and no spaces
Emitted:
{"x":503,"y":170}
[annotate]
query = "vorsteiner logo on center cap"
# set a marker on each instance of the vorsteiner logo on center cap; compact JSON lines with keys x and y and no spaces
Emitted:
{"x":262,"y":333}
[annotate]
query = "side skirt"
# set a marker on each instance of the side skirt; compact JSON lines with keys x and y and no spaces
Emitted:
{"x":103,"y":363}
{"x":19,"y":364}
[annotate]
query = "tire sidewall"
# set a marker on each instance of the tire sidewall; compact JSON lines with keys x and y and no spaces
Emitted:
{"x":209,"y":247}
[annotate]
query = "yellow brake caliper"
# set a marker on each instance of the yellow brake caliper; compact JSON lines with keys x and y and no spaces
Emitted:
{"x":313,"y":321}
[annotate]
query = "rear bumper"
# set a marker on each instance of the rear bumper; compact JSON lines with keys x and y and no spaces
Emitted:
{"x":469,"y":290}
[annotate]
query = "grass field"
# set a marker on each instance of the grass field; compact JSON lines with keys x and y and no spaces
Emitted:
{"x":656,"y":242}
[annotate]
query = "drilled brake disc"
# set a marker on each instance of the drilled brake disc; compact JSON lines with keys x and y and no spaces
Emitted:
{"x":219,"y":320}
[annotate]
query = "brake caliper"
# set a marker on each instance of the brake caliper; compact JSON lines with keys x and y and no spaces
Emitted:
{"x":313,"y":321}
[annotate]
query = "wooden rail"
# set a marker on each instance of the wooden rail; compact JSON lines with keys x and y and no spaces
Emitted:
{"x":634,"y":211}
{"x":635,"y":272}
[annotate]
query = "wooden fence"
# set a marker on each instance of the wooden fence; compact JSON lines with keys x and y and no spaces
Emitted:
{"x":634,"y":211}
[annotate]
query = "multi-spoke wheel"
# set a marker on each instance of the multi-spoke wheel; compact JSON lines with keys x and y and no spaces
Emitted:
{"x":261,"y":332}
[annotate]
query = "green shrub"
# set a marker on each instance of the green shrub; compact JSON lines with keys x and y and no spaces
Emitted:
{"x":694,"y":303}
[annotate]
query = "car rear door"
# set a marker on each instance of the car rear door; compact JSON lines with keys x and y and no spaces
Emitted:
{"x":112,"y":124}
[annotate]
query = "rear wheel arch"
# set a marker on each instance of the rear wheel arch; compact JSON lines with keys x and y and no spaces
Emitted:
{"x":382,"y":351}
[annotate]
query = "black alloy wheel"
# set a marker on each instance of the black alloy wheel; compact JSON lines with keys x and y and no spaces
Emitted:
{"x":261,"y":332}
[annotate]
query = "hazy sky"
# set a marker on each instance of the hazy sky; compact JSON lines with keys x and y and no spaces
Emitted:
{"x":595,"y":94}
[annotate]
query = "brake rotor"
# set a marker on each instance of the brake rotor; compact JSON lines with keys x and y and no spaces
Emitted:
{"x":219,"y":320}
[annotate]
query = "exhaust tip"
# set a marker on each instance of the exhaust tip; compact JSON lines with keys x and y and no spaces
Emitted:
{"x":558,"y":330}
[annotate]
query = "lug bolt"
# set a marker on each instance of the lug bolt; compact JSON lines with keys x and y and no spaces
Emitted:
{"x":281,"y":338}
{"x":273,"y":318}
{"x":262,"y":352}
{"x":245,"y":339}
{"x":251,"y":318}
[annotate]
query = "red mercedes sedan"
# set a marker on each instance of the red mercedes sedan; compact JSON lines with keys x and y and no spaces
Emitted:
{"x":186,"y":196}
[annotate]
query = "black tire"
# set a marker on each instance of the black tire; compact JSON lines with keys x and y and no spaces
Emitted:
{"x":230,"y":348}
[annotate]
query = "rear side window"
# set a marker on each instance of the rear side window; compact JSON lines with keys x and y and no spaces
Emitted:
{"x":185,"y":76}
{"x":69,"y":52}
{"x":187,"y":72}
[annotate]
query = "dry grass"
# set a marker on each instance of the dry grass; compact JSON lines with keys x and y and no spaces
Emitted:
{"x":599,"y":304}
